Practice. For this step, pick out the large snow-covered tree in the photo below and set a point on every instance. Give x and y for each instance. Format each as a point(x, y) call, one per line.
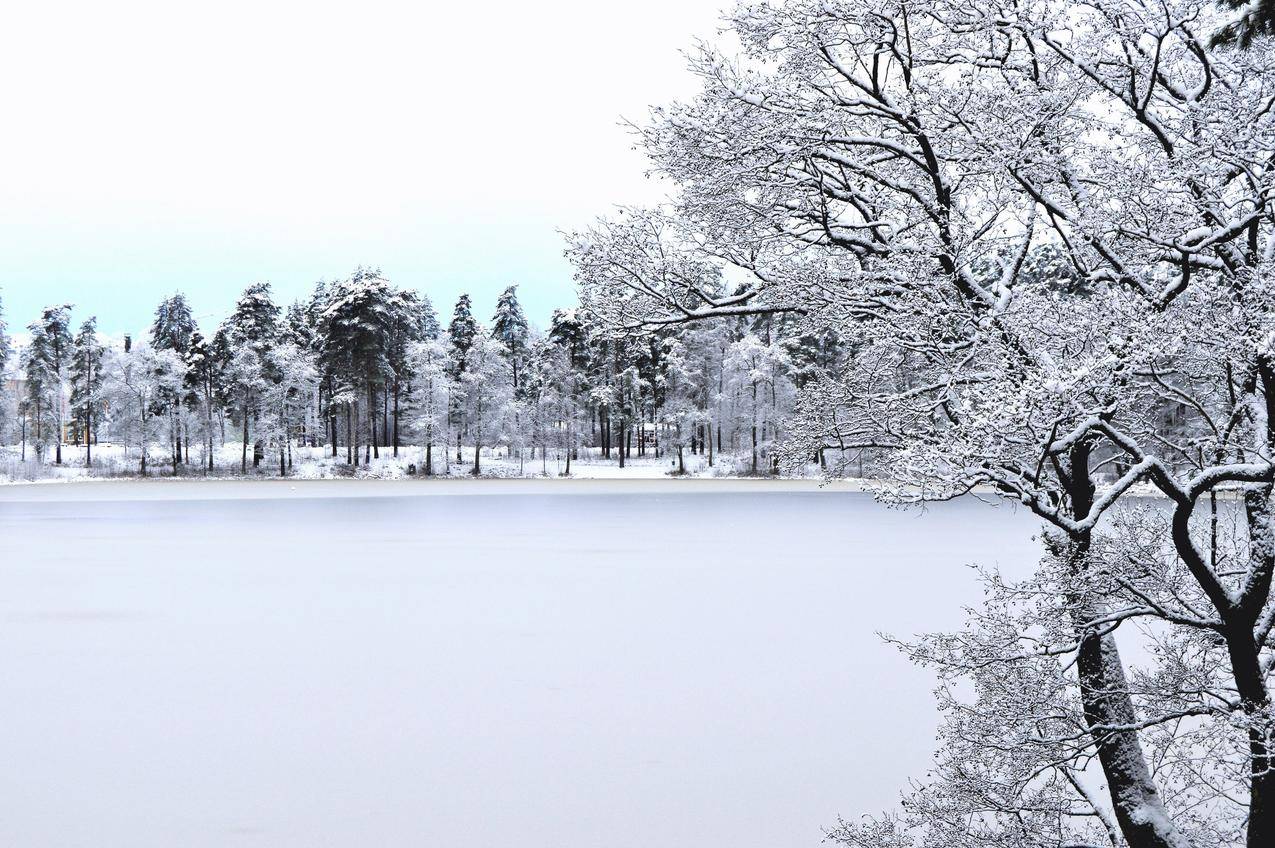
point(891, 172)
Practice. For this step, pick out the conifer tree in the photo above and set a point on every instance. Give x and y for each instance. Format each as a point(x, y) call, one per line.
point(51, 356)
point(86, 384)
point(460, 333)
point(254, 324)
point(509, 327)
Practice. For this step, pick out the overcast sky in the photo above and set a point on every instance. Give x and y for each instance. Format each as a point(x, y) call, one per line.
point(159, 146)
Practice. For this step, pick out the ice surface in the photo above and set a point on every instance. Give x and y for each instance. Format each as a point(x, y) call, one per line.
point(606, 670)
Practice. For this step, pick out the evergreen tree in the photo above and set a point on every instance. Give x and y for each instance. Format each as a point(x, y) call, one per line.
point(255, 320)
point(38, 397)
point(299, 326)
point(253, 324)
point(509, 327)
point(461, 334)
point(53, 354)
point(409, 322)
point(172, 329)
point(173, 325)
point(86, 384)
point(355, 329)
point(428, 318)
point(1253, 19)
point(203, 384)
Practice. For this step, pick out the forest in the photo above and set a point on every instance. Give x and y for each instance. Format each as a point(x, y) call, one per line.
point(364, 367)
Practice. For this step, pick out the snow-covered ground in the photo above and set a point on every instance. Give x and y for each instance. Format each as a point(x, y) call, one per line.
point(114, 461)
point(678, 664)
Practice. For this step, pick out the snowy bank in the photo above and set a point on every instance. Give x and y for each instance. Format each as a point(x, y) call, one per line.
point(168, 488)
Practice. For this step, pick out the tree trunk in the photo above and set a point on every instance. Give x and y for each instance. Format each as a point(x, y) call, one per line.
point(371, 425)
point(243, 461)
point(1104, 692)
point(396, 391)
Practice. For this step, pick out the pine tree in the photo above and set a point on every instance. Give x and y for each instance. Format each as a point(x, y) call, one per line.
point(172, 329)
point(1253, 19)
point(86, 384)
point(173, 325)
point(254, 324)
point(461, 333)
point(53, 354)
point(355, 329)
point(255, 320)
point(203, 384)
point(299, 326)
point(38, 397)
point(509, 327)
point(428, 319)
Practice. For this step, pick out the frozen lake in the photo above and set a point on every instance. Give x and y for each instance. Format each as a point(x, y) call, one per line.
point(589, 669)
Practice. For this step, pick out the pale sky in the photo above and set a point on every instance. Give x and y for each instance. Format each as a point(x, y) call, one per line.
point(159, 146)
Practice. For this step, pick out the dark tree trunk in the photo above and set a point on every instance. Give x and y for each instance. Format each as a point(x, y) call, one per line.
point(619, 448)
point(371, 425)
point(1104, 693)
point(396, 391)
point(243, 461)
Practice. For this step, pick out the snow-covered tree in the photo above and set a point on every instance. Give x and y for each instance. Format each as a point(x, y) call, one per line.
point(246, 381)
point(136, 383)
point(204, 385)
point(888, 173)
point(431, 369)
point(173, 326)
point(758, 374)
point(48, 356)
point(86, 384)
point(356, 328)
point(509, 327)
point(486, 392)
point(172, 329)
point(461, 333)
point(680, 413)
point(294, 378)
point(254, 321)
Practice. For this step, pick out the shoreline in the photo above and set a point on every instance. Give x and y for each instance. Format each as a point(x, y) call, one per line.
point(161, 488)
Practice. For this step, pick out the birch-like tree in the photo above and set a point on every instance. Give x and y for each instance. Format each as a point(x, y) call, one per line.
point(137, 382)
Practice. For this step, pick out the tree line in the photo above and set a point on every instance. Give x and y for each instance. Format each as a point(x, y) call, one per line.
point(363, 366)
